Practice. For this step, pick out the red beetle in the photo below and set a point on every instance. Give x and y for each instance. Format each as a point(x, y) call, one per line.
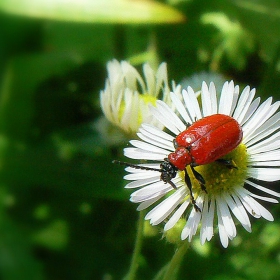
point(206, 141)
point(203, 142)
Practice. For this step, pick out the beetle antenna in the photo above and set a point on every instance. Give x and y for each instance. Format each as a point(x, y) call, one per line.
point(127, 164)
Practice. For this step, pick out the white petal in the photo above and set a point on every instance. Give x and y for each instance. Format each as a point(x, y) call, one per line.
point(258, 114)
point(180, 107)
point(239, 214)
point(270, 143)
point(176, 216)
point(210, 220)
point(206, 231)
point(248, 202)
point(251, 109)
point(193, 221)
point(164, 209)
point(144, 197)
point(263, 157)
point(157, 132)
point(142, 175)
point(234, 99)
point(266, 129)
point(264, 174)
point(213, 98)
point(148, 197)
point(148, 138)
point(130, 114)
point(136, 153)
point(150, 78)
point(257, 208)
point(264, 198)
point(152, 189)
point(247, 224)
point(161, 76)
point(148, 147)
point(170, 115)
point(243, 104)
point(222, 232)
point(226, 98)
point(132, 76)
point(266, 145)
point(264, 112)
point(206, 100)
point(226, 217)
point(264, 212)
point(191, 103)
point(266, 190)
point(266, 163)
point(141, 182)
point(148, 203)
point(162, 118)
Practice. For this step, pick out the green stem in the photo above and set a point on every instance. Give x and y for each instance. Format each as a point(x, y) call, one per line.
point(176, 261)
point(137, 249)
point(161, 272)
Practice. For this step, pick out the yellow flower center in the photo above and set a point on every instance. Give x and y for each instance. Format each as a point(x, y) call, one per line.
point(218, 177)
point(147, 99)
point(144, 99)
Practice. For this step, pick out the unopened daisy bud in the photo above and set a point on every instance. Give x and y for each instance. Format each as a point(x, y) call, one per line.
point(126, 98)
point(149, 230)
point(173, 235)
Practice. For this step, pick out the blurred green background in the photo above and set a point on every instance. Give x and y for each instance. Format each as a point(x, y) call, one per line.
point(63, 211)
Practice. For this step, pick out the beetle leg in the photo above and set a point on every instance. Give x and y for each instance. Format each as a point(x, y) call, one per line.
point(189, 185)
point(172, 184)
point(229, 163)
point(199, 178)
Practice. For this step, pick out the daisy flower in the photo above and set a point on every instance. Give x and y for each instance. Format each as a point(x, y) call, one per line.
point(229, 195)
point(126, 96)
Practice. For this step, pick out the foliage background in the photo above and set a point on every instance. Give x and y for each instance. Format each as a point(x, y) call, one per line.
point(63, 211)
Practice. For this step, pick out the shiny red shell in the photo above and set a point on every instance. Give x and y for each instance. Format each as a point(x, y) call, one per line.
point(205, 141)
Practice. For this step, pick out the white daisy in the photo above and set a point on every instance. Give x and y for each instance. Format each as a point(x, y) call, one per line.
point(257, 159)
point(126, 96)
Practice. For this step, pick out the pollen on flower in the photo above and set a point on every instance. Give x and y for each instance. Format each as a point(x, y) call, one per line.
point(220, 178)
point(147, 100)
point(144, 100)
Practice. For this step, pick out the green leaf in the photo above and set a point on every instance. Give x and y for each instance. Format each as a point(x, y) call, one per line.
point(262, 18)
point(232, 40)
point(80, 165)
point(97, 11)
point(16, 256)
point(55, 236)
point(21, 78)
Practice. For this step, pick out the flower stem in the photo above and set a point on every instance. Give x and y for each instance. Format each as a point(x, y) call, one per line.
point(174, 265)
point(137, 249)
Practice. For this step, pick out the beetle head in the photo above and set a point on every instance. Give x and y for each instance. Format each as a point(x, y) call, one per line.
point(180, 158)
